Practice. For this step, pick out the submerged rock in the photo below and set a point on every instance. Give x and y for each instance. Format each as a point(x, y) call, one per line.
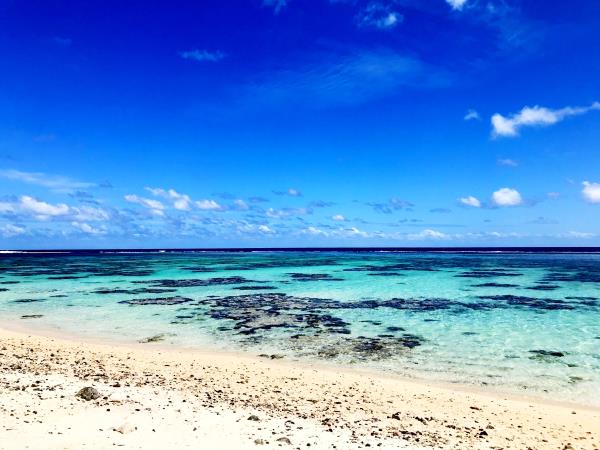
point(155, 338)
point(547, 356)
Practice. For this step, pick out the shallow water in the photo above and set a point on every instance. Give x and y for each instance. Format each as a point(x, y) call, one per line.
point(526, 322)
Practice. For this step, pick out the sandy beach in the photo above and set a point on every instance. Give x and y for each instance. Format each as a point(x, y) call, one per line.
point(152, 397)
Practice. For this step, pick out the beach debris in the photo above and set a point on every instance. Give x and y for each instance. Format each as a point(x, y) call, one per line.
point(88, 393)
point(31, 316)
point(273, 356)
point(126, 428)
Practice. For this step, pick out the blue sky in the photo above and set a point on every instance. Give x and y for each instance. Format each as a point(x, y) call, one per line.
point(299, 123)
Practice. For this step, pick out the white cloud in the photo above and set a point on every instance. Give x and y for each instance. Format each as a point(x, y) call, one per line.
point(54, 182)
point(338, 218)
point(155, 207)
point(314, 231)
point(10, 230)
point(356, 232)
point(470, 201)
point(507, 197)
point(456, 4)
point(87, 228)
point(40, 209)
point(265, 229)
point(508, 162)
point(294, 192)
point(591, 192)
point(180, 201)
point(378, 15)
point(580, 235)
point(241, 204)
point(553, 195)
point(89, 213)
point(428, 235)
point(208, 205)
point(6, 207)
point(253, 229)
point(286, 212)
point(472, 115)
point(535, 116)
point(203, 55)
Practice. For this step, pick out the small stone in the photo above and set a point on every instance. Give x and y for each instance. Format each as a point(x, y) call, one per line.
point(259, 441)
point(254, 418)
point(88, 393)
point(396, 416)
point(284, 440)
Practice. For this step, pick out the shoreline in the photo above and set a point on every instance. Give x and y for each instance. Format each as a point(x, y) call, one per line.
point(347, 408)
point(331, 367)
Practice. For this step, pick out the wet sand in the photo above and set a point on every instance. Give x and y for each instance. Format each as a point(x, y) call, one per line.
point(153, 397)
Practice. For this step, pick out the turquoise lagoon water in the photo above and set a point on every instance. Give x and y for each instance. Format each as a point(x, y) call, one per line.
point(525, 322)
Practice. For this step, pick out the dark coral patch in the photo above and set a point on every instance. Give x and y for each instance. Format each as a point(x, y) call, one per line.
point(158, 301)
point(194, 282)
point(496, 285)
point(255, 288)
point(313, 277)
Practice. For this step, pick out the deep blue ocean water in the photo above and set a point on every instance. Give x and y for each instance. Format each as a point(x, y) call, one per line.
point(517, 321)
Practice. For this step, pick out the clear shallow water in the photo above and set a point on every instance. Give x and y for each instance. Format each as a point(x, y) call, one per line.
point(526, 322)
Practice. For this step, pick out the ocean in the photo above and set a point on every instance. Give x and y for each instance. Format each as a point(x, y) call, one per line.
point(515, 320)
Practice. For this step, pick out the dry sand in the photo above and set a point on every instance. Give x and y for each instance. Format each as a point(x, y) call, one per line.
point(156, 398)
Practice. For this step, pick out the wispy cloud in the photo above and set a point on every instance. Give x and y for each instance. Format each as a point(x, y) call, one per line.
point(332, 79)
point(89, 229)
point(508, 162)
point(379, 15)
point(287, 212)
point(428, 235)
point(208, 205)
point(457, 4)
point(393, 204)
point(470, 201)
point(440, 210)
point(472, 115)
point(155, 207)
point(9, 230)
point(277, 5)
point(292, 192)
point(544, 221)
point(535, 116)
point(203, 55)
point(55, 182)
point(62, 41)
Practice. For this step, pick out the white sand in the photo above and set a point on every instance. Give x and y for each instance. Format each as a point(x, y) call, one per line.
point(179, 399)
